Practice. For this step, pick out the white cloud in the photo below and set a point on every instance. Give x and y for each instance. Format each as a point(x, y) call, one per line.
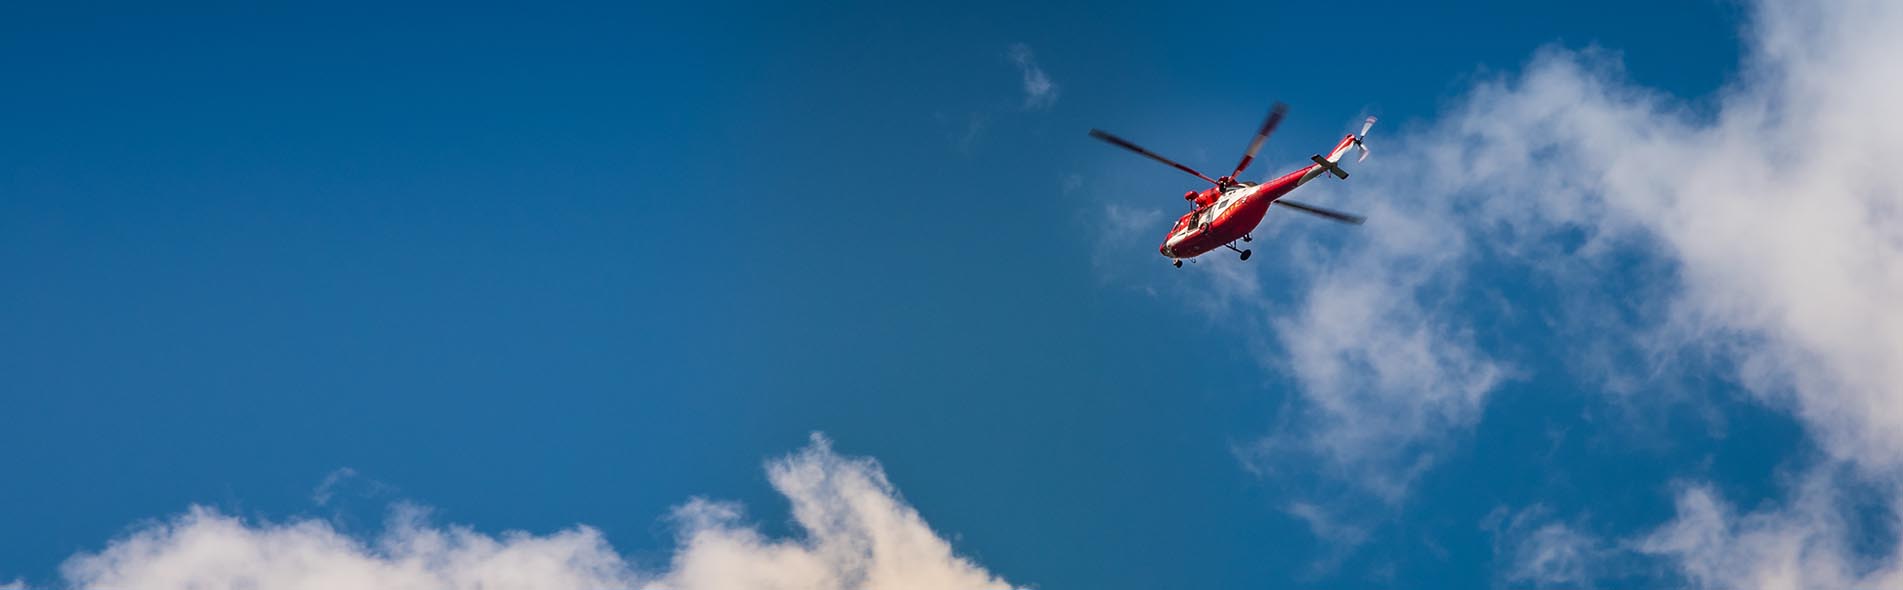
point(1536, 549)
point(1776, 211)
point(1386, 374)
point(1776, 215)
point(1809, 542)
point(858, 534)
point(205, 549)
point(1039, 91)
point(1385, 379)
point(1327, 526)
point(1783, 213)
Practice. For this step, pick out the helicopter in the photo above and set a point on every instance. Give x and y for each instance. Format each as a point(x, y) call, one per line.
point(1230, 210)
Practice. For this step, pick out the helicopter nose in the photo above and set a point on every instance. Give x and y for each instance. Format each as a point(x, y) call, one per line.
point(1165, 250)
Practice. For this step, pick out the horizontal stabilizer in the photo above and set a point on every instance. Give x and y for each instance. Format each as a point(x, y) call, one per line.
point(1331, 167)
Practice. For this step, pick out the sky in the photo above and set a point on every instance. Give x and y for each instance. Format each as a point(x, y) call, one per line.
point(765, 296)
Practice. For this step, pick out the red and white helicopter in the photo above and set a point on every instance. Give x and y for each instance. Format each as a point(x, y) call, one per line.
point(1231, 209)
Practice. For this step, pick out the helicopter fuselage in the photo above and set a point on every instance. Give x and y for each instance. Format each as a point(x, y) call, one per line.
point(1232, 213)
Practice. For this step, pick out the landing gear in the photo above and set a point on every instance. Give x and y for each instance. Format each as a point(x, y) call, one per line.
point(1177, 263)
point(1245, 253)
point(1248, 238)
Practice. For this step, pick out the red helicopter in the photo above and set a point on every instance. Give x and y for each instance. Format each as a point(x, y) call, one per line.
point(1231, 209)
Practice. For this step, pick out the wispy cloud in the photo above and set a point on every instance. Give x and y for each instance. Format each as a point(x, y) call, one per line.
point(964, 133)
point(1531, 547)
point(1807, 542)
point(328, 487)
point(1387, 379)
point(857, 534)
point(1039, 91)
point(1069, 183)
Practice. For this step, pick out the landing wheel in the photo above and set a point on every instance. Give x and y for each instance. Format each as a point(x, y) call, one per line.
point(1246, 253)
point(1178, 263)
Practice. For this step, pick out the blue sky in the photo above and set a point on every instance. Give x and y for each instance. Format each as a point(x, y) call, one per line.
point(537, 268)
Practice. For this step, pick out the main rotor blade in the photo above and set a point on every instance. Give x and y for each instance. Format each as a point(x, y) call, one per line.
point(1125, 144)
point(1347, 218)
point(1268, 126)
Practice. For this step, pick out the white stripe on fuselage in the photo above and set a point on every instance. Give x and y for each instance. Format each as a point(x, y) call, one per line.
point(1227, 201)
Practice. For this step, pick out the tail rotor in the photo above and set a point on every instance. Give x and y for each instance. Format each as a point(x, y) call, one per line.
point(1362, 145)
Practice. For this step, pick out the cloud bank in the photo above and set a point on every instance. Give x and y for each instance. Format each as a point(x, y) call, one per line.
point(1778, 214)
point(857, 534)
point(1775, 213)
